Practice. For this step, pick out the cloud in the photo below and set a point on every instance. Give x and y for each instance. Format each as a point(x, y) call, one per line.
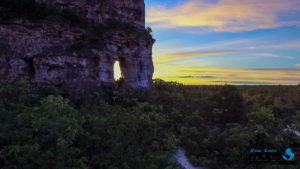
point(243, 82)
point(284, 45)
point(298, 64)
point(225, 15)
point(250, 70)
point(199, 77)
point(268, 55)
point(204, 75)
point(183, 55)
point(184, 77)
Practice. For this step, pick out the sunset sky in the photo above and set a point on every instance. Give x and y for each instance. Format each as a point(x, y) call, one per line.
point(226, 41)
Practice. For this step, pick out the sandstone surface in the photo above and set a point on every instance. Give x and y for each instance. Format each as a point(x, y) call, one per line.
point(75, 44)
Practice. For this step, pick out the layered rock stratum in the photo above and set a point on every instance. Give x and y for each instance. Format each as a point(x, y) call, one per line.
point(75, 43)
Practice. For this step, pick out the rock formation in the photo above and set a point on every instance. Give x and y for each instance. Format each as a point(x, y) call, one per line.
point(74, 43)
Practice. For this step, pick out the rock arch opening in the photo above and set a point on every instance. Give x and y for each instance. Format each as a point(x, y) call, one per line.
point(117, 71)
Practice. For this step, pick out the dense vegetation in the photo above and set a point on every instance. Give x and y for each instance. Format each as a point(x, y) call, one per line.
point(129, 129)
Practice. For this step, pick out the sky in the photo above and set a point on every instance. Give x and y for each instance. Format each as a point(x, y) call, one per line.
point(242, 42)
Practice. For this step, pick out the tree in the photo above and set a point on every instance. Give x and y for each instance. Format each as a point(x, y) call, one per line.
point(42, 136)
point(229, 105)
point(263, 116)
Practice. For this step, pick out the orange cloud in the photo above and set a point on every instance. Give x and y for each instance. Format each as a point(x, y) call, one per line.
point(298, 64)
point(224, 16)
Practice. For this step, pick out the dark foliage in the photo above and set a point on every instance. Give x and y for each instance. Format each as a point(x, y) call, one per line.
point(137, 129)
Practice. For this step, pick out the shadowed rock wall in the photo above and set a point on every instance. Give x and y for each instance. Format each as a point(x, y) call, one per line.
point(99, 11)
point(76, 43)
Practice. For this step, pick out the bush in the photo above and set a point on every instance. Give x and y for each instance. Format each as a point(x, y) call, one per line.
point(42, 136)
point(264, 117)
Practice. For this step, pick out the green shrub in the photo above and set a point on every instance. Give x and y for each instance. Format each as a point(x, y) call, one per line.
point(264, 117)
point(41, 136)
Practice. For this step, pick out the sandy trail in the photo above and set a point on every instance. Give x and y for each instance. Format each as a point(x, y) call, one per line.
point(297, 133)
point(182, 159)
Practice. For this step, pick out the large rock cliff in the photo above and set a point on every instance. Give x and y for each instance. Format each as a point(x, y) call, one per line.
point(74, 43)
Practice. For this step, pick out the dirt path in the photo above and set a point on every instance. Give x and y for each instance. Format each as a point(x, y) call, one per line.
point(182, 159)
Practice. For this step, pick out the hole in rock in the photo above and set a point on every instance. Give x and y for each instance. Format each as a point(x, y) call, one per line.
point(117, 71)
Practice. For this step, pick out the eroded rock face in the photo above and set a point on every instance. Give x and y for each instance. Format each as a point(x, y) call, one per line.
point(54, 50)
point(99, 11)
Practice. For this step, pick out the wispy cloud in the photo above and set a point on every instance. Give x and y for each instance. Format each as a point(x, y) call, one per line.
point(195, 77)
point(268, 55)
point(225, 15)
point(242, 82)
point(285, 45)
point(257, 46)
point(204, 75)
point(298, 64)
point(184, 55)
